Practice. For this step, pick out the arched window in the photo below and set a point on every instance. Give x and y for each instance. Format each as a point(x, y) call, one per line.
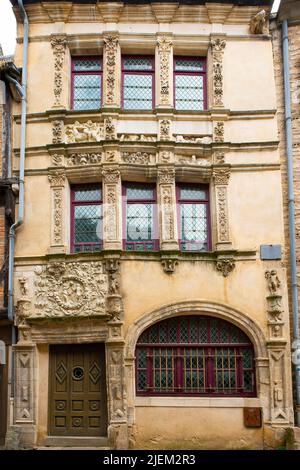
point(194, 355)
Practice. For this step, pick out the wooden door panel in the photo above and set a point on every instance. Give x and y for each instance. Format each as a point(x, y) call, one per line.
point(77, 390)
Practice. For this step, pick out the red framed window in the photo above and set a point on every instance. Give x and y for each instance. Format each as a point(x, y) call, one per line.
point(140, 230)
point(86, 87)
point(195, 355)
point(193, 217)
point(190, 83)
point(86, 219)
point(138, 82)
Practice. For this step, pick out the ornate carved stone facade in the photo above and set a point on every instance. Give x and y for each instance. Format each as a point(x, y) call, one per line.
point(57, 183)
point(84, 132)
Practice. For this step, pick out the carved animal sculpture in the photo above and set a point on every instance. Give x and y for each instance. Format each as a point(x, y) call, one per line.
point(258, 23)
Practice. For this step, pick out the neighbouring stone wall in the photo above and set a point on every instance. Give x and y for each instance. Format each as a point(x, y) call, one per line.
point(294, 52)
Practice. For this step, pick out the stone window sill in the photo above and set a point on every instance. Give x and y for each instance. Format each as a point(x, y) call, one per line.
point(197, 402)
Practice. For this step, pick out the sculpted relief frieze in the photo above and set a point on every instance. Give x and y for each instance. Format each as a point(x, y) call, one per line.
point(62, 290)
point(84, 132)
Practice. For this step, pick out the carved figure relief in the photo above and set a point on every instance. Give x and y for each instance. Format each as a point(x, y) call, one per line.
point(192, 160)
point(58, 44)
point(273, 281)
point(188, 139)
point(70, 290)
point(140, 158)
point(83, 159)
point(169, 265)
point(258, 24)
point(110, 129)
point(84, 132)
point(274, 304)
point(137, 138)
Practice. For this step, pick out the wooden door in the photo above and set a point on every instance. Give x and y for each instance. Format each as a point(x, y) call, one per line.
point(77, 395)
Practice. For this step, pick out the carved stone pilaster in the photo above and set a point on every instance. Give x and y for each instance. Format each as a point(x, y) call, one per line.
point(58, 44)
point(114, 297)
point(117, 396)
point(221, 177)
point(217, 47)
point(110, 130)
point(218, 131)
point(112, 234)
point(24, 400)
point(279, 409)
point(57, 132)
point(111, 66)
point(167, 212)
point(165, 71)
point(164, 130)
point(274, 305)
point(57, 184)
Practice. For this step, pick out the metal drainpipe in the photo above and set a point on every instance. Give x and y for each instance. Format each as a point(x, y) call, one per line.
point(20, 219)
point(291, 198)
point(11, 246)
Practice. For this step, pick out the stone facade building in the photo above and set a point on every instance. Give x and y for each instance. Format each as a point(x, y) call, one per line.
point(150, 296)
point(8, 94)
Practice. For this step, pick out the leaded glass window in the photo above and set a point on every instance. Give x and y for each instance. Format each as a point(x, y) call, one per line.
point(189, 83)
point(86, 218)
point(193, 202)
point(86, 83)
point(138, 82)
point(195, 355)
point(140, 230)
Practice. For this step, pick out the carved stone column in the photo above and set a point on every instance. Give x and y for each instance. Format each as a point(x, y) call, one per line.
point(221, 177)
point(25, 392)
point(167, 208)
point(111, 71)
point(164, 72)
point(112, 205)
point(57, 183)
point(58, 43)
point(281, 409)
point(217, 51)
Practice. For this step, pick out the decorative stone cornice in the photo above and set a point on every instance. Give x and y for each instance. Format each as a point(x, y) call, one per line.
point(164, 12)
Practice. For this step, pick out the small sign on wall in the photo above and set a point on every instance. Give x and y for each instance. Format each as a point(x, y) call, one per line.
point(252, 417)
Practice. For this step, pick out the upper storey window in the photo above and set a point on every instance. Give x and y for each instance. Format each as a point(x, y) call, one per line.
point(138, 82)
point(193, 212)
point(86, 83)
point(190, 83)
point(86, 218)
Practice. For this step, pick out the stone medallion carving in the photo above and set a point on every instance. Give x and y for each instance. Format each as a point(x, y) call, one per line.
point(70, 290)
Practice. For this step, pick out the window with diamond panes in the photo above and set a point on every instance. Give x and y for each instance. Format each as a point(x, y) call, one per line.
point(195, 355)
point(86, 219)
point(86, 83)
point(190, 83)
point(138, 82)
point(140, 226)
point(194, 220)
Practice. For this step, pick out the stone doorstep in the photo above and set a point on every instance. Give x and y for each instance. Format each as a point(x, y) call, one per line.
point(74, 442)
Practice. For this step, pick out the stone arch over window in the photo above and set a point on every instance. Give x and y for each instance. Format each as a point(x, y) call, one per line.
point(197, 307)
point(194, 355)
